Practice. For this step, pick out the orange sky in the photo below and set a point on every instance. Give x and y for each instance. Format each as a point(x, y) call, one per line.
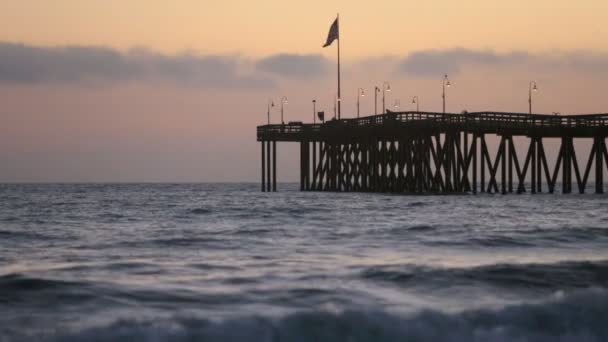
point(270, 26)
point(171, 126)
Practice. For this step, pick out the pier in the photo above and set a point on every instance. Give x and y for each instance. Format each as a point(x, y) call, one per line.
point(424, 152)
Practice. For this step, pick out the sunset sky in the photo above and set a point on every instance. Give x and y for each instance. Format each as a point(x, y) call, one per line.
point(133, 90)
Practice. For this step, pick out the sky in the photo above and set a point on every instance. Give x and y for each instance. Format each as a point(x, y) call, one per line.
point(159, 91)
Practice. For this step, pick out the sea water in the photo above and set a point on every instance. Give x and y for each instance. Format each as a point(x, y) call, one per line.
point(226, 262)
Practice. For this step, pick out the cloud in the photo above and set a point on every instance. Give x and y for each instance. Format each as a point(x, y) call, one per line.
point(432, 62)
point(294, 66)
point(26, 64)
point(83, 64)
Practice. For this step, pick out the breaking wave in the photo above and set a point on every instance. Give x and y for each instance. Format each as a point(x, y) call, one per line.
point(577, 317)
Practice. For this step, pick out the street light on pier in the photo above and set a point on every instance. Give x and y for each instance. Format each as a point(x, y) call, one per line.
point(531, 88)
point(446, 83)
point(397, 104)
point(376, 91)
point(360, 94)
point(270, 105)
point(385, 87)
point(336, 106)
point(283, 102)
point(314, 111)
point(417, 102)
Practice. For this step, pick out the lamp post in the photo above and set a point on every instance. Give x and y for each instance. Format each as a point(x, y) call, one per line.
point(531, 88)
point(314, 111)
point(360, 93)
point(385, 87)
point(270, 105)
point(376, 91)
point(335, 106)
point(446, 83)
point(417, 102)
point(397, 104)
point(283, 102)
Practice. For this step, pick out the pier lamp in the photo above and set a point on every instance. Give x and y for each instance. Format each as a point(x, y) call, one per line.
point(446, 83)
point(270, 105)
point(360, 94)
point(335, 106)
point(417, 102)
point(531, 88)
point(376, 91)
point(283, 102)
point(314, 111)
point(397, 104)
point(385, 87)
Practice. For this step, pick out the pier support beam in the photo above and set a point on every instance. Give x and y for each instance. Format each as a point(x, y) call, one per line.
point(475, 153)
point(565, 164)
point(274, 166)
point(268, 167)
point(304, 166)
point(503, 170)
point(511, 154)
point(263, 166)
point(600, 148)
point(483, 162)
point(539, 169)
point(533, 173)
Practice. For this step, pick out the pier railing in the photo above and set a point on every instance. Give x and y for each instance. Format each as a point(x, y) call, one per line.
point(492, 120)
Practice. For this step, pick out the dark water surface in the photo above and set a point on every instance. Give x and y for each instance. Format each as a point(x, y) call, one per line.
point(224, 262)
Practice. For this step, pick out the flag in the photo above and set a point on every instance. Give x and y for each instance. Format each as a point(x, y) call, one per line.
point(321, 116)
point(334, 33)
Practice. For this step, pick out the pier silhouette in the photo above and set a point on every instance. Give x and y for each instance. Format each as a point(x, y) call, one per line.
point(424, 152)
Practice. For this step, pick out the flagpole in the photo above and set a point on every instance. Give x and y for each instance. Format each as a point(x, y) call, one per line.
point(339, 96)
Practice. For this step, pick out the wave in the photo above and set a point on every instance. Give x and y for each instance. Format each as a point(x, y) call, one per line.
point(526, 238)
point(10, 219)
point(17, 290)
point(564, 275)
point(17, 282)
point(200, 211)
point(577, 317)
point(416, 204)
point(500, 241)
point(36, 293)
point(421, 228)
point(23, 235)
point(570, 234)
point(183, 241)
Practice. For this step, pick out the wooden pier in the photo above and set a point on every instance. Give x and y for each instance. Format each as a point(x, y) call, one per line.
point(422, 152)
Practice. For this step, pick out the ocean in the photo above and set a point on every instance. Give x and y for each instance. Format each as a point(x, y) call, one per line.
point(226, 262)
